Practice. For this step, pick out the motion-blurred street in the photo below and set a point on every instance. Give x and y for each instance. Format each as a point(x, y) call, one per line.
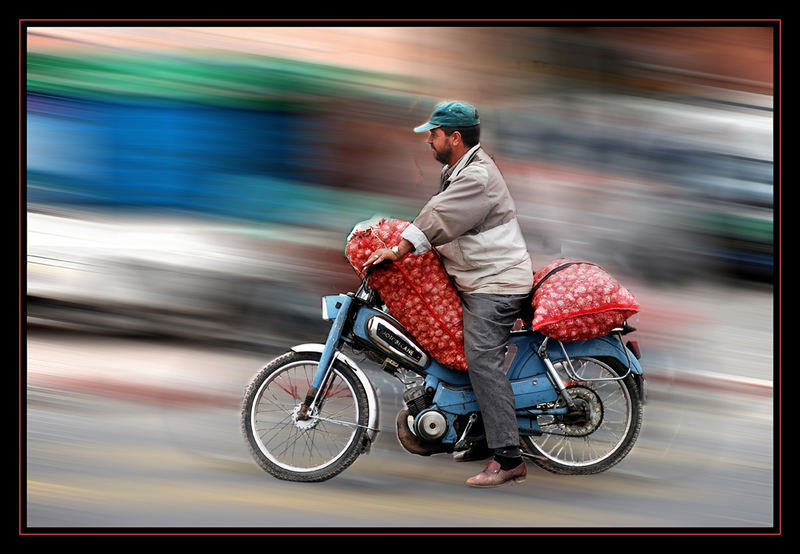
point(138, 432)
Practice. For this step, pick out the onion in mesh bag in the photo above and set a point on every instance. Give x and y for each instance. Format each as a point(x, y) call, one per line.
point(578, 300)
point(416, 290)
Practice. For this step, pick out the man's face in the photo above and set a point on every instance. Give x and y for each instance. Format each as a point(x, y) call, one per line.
point(441, 144)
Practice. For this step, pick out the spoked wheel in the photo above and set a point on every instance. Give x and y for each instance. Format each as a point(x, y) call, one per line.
point(602, 428)
point(304, 448)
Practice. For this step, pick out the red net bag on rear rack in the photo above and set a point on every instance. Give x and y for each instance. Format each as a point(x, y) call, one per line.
point(577, 300)
point(416, 290)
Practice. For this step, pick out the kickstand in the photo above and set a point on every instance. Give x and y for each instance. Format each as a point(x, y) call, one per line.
point(532, 456)
point(462, 442)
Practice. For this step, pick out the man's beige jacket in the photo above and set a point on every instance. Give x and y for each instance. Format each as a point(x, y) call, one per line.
point(472, 224)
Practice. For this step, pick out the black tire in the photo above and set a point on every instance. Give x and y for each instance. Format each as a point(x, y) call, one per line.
point(309, 450)
point(591, 446)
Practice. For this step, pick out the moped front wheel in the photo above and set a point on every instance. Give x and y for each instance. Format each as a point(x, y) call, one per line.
point(312, 447)
point(602, 428)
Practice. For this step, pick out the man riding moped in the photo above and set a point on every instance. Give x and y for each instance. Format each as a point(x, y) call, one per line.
point(472, 223)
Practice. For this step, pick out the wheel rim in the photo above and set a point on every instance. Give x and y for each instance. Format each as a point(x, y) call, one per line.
point(303, 445)
point(582, 449)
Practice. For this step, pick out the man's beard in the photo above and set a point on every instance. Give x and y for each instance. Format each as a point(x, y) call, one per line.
point(442, 156)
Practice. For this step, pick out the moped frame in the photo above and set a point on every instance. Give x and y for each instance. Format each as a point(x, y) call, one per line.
point(534, 379)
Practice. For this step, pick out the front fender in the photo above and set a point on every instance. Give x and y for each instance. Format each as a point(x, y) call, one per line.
point(372, 397)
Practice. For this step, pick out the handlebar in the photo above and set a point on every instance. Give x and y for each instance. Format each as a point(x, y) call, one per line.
point(364, 291)
point(372, 268)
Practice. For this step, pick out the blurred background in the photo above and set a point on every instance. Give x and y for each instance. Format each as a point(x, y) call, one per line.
point(198, 182)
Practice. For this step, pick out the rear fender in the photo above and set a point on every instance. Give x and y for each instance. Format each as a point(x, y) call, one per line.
point(603, 347)
point(608, 346)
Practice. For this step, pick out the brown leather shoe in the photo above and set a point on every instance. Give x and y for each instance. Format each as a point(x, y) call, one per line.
point(493, 476)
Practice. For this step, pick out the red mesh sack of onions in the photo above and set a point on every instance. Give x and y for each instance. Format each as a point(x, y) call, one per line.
point(416, 290)
point(577, 300)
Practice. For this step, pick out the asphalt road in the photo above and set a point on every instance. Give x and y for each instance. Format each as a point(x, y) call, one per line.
point(121, 435)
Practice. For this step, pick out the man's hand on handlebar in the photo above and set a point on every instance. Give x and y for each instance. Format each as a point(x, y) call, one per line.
point(389, 254)
point(379, 256)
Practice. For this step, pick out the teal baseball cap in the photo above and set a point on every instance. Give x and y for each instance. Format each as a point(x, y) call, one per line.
point(451, 114)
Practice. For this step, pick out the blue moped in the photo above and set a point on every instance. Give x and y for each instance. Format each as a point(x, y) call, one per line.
point(310, 413)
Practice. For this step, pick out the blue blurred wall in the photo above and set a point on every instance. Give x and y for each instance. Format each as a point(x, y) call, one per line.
point(162, 154)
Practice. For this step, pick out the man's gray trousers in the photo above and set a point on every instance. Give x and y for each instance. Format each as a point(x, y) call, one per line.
point(488, 321)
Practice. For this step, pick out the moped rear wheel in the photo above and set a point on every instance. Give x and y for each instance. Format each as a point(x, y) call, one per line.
point(603, 429)
point(296, 448)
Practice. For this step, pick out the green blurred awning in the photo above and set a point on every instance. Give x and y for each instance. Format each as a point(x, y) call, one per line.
point(240, 81)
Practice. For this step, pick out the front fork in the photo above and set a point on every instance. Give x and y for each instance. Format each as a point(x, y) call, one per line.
point(314, 397)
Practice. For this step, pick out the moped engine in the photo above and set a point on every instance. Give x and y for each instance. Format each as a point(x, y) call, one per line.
point(429, 424)
point(417, 399)
point(420, 427)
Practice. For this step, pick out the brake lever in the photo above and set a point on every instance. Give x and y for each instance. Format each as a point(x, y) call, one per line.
point(373, 266)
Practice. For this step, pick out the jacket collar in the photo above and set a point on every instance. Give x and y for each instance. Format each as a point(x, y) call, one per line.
point(448, 172)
